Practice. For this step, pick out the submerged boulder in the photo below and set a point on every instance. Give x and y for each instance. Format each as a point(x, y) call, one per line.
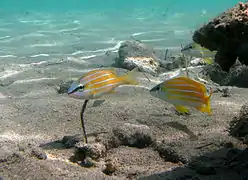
point(228, 35)
point(237, 75)
point(239, 124)
point(136, 54)
point(133, 135)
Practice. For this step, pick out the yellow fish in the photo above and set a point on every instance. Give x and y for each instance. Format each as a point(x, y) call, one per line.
point(196, 50)
point(183, 92)
point(96, 83)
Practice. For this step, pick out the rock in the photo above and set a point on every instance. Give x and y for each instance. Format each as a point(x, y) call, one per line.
point(70, 141)
point(197, 62)
point(227, 34)
point(136, 54)
point(38, 153)
point(10, 158)
point(216, 74)
point(206, 165)
point(239, 125)
point(225, 163)
point(237, 75)
point(109, 140)
point(87, 162)
point(133, 135)
point(237, 158)
point(169, 153)
point(63, 87)
point(226, 92)
point(184, 150)
point(110, 166)
point(205, 169)
point(95, 151)
point(174, 62)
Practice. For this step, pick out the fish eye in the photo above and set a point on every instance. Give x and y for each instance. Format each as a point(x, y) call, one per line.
point(78, 88)
point(81, 87)
point(157, 88)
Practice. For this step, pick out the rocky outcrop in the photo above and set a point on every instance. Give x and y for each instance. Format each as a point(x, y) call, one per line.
point(228, 35)
point(237, 75)
point(136, 54)
point(239, 125)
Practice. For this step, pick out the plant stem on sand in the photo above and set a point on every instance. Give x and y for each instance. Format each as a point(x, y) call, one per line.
point(186, 65)
point(82, 120)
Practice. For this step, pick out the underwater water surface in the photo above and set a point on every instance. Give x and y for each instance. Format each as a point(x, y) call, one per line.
point(78, 31)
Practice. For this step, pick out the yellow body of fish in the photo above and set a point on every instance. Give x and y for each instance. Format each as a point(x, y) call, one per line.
point(98, 82)
point(183, 92)
point(196, 50)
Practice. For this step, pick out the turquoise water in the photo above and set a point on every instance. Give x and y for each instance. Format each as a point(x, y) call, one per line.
point(81, 31)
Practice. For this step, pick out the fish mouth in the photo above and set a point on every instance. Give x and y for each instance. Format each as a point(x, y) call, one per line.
point(154, 89)
point(73, 88)
point(70, 91)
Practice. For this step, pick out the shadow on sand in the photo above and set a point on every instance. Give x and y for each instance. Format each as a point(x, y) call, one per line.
point(173, 124)
point(67, 141)
point(223, 164)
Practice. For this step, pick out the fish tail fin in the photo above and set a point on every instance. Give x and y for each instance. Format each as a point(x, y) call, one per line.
point(208, 60)
point(131, 77)
point(207, 107)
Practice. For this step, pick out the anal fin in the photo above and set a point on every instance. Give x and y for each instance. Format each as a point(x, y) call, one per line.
point(182, 109)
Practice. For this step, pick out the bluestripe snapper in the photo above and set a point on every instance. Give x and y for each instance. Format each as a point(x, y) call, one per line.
point(183, 92)
point(196, 50)
point(96, 83)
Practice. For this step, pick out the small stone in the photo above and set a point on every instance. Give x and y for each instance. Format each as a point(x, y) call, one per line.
point(39, 154)
point(87, 162)
point(10, 157)
point(169, 153)
point(22, 147)
point(139, 136)
point(226, 92)
point(70, 141)
point(111, 166)
point(95, 151)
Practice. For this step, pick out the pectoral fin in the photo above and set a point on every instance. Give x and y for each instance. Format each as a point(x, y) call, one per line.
point(182, 109)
